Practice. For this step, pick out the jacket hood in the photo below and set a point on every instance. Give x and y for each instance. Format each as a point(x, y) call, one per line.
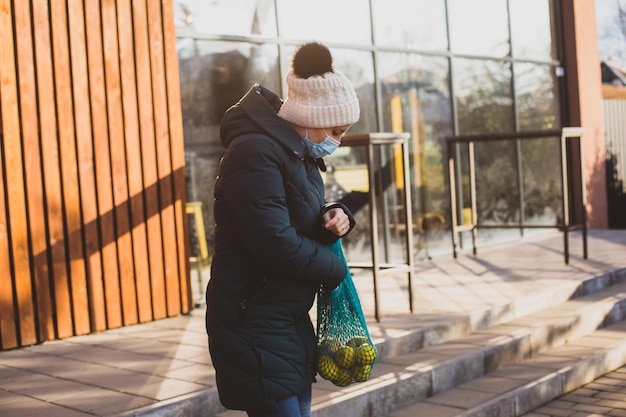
point(257, 113)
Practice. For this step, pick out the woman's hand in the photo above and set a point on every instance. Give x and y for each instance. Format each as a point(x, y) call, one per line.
point(336, 221)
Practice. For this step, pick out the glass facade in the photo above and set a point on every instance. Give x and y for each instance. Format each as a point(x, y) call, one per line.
point(433, 68)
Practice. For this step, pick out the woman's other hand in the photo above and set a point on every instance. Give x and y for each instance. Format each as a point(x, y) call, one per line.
point(336, 221)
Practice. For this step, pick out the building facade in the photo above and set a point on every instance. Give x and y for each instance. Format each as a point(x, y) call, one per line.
point(433, 68)
point(109, 133)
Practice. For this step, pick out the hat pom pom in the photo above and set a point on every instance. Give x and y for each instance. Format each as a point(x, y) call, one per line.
point(312, 59)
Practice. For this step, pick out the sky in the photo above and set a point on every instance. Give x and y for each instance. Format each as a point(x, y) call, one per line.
point(611, 32)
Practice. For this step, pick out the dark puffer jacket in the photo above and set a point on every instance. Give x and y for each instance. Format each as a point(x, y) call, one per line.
point(271, 256)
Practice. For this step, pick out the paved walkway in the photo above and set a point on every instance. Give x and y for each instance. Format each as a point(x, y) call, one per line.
point(138, 368)
point(606, 396)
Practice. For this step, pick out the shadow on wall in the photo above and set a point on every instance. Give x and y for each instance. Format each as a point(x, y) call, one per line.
point(616, 198)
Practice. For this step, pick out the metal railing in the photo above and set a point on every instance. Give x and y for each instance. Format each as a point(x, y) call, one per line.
point(370, 142)
point(564, 136)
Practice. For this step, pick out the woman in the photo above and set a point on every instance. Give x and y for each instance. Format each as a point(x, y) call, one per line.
point(272, 232)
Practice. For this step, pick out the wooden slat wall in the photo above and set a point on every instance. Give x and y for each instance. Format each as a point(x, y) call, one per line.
point(92, 187)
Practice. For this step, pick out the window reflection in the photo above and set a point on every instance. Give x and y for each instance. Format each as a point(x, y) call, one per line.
point(479, 27)
point(541, 181)
point(416, 24)
point(537, 97)
point(416, 99)
point(483, 95)
point(345, 21)
point(213, 77)
point(226, 17)
point(407, 92)
point(496, 182)
point(532, 29)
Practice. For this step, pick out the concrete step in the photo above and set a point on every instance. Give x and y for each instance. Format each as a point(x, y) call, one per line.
point(405, 334)
point(437, 366)
point(518, 389)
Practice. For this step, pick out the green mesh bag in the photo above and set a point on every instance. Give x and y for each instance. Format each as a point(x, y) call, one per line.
point(345, 351)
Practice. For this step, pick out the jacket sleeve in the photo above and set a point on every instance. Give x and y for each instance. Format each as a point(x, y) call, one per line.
point(252, 176)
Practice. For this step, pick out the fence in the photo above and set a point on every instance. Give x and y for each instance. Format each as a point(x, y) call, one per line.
point(614, 110)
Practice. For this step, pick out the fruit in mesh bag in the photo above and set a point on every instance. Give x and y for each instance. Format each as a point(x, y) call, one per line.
point(366, 354)
point(357, 341)
point(344, 378)
point(327, 368)
point(329, 347)
point(361, 373)
point(345, 356)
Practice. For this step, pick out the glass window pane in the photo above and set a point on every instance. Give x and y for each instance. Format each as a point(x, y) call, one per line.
point(416, 99)
point(497, 194)
point(345, 21)
point(213, 77)
point(416, 24)
point(226, 17)
point(533, 29)
point(537, 90)
point(483, 96)
point(541, 172)
point(479, 27)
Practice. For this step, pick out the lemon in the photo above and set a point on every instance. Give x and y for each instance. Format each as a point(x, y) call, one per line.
point(327, 368)
point(345, 356)
point(361, 373)
point(344, 378)
point(366, 354)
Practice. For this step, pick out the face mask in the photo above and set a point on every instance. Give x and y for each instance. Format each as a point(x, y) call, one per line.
point(322, 149)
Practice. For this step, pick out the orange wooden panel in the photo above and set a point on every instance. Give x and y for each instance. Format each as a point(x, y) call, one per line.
point(177, 149)
point(32, 170)
point(67, 146)
point(8, 330)
point(118, 161)
point(86, 170)
point(133, 159)
point(172, 282)
point(97, 91)
point(148, 159)
point(14, 175)
point(51, 169)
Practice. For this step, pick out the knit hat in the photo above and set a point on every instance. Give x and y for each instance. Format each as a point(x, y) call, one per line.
point(318, 96)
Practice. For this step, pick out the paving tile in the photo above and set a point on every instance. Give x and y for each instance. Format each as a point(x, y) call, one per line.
point(47, 388)
point(603, 387)
point(101, 402)
point(587, 392)
point(561, 403)
point(618, 404)
point(610, 396)
point(8, 396)
point(554, 412)
point(592, 408)
point(30, 407)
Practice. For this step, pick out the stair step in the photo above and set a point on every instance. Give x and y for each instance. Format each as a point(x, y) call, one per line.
point(425, 357)
point(399, 336)
point(520, 388)
point(406, 379)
